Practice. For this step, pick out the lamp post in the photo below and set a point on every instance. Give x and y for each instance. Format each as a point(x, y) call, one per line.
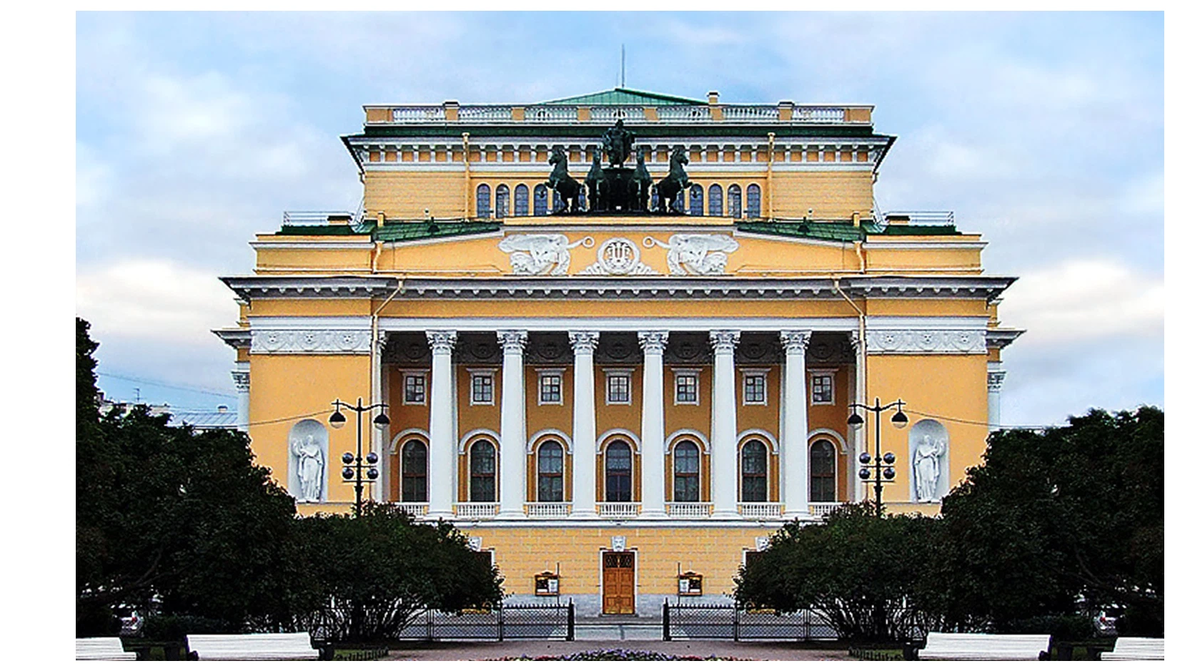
point(354, 467)
point(876, 473)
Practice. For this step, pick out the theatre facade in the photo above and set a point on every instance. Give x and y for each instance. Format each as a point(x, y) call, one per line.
point(619, 335)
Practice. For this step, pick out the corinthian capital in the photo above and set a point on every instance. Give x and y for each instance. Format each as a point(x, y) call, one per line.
point(441, 342)
point(795, 342)
point(584, 342)
point(723, 342)
point(653, 342)
point(512, 341)
point(241, 379)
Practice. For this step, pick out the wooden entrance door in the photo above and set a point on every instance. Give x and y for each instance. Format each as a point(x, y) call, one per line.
point(618, 583)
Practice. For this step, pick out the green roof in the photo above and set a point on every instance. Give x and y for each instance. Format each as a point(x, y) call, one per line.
point(830, 231)
point(410, 231)
point(627, 96)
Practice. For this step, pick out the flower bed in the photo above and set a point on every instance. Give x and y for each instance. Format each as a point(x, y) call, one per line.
point(618, 655)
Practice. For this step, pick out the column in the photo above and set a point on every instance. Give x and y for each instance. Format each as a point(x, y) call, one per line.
point(724, 426)
point(583, 428)
point(995, 383)
point(377, 396)
point(241, 380)
point(795, 425)
point(858, 435)
point(512, 425)
point(653, 444)
point(442, 485)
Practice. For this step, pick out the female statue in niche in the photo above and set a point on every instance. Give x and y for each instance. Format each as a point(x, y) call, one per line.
point(310, 468)
point(927, 467)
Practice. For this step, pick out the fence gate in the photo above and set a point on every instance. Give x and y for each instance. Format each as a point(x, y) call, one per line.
point(552, 621)
point(683, 620)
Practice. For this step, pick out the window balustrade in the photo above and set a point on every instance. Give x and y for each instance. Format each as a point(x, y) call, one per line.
point(760, 509)
point(618, 509)
point(689, 509)
point(476, 509)
point(547, 509)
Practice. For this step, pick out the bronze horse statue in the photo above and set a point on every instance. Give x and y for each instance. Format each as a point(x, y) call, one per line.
point(639, 187)
point(562, 182)
point(675, 182)
point(594, 182)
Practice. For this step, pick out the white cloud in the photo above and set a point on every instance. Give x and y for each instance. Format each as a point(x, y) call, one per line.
point(154, 300)
point(1084, 299)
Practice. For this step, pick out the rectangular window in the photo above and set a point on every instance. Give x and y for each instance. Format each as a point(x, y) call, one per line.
point(618, 389)
point(414, 389)
point(687, 390)
point(755, 390)
point(822, 389)
point(482, 389)
point(550, 389)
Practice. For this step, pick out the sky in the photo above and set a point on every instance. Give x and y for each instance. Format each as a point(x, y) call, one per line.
point(1042, 131)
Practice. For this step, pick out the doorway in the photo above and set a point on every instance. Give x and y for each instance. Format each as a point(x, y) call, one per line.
point(618, 583)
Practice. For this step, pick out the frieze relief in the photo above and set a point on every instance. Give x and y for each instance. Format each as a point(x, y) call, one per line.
point(550, 254)
point(618, 256)
point(310, 341)
point(900, 341)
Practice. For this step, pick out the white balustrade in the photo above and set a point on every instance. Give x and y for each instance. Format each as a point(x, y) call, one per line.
point(755, 113)
point(476, 509)
point(689, 509)
point(547, 509)
point(607, 114)
point(485, 113)
point(693, 114)
point(414, 508)
point(760, 509)
point(819, 114)
point(551, 113)
point(617, 509)
point(410, 114)
point(822, 509)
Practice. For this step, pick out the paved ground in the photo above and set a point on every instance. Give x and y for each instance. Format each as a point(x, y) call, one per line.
point(757, 651)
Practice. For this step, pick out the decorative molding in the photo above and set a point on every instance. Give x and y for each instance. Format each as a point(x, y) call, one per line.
point(772, 442)
point(547, 348)
point(818, 433)
point(263, 286)
point(995, 380)
point(653, 342)
point(492, 436)
point(907, 341)
point(241, 380)
point(701, 440)
point(404, 434)
point(310, 341)
point(238, 338)
point(696, 254)
point(999, 338)
point(618, 256)
point(568, 448)
point(795, 342)
point(634, 440)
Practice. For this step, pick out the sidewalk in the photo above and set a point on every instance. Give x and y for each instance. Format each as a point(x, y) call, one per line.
point(756, 651)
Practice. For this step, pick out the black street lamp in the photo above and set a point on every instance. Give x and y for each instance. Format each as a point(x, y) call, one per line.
point(877, 473)
point(354, 467)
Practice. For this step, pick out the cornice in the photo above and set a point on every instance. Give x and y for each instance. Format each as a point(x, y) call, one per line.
point(908, 341)
point(342, 286)
point(999, 338)
point(238, 338)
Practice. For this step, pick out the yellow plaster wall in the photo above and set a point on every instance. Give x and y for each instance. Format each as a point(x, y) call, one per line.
point(761, 255)
point(692, 417)
point(406, 194)
point(943, 385)
point(520, 553)
point(552, 307)
point(403, 417)
point(472, 417)
point(926, 307)
point(958, 259)
point(271, 259)
point(311, 307)
point(832, 195)
point(547, 416)
point(288, 386)
point(833, 417)
point(625, 417)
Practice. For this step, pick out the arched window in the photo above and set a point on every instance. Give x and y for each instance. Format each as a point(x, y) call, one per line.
point(735, 201)
point(540, 194)
point(521, 201)
point(483, 201)
point(618, 473)
point(687, 472)
point(715, 204)
point(754, 471)
point(753, 201)
point(483, 472)
point(414, 479)
point(822, 486)
point(558, 202)
point(550, 472)
point(501, 202)
point(654, 198)
point(695, 200)
point(679, 200)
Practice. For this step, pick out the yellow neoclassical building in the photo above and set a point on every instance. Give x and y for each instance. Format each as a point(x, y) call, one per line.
point(618, 335)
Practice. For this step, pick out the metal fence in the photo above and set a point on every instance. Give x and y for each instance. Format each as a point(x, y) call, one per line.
point(550, 621)
point(683, 620)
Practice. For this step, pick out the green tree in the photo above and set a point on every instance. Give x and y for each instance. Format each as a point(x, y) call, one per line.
point(170, 512)
point(378, 571)
point(855, 570)
point(1053, 516)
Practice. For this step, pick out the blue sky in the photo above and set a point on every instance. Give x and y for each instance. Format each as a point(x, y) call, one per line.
point(1042, 131)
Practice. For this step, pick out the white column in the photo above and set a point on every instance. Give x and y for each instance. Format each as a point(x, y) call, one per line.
point(241, 380)
point(512, 425)
point(995, 383)
point(858, 435)
point(724, 426)
point(377, 434)
point(795, 425)
point(583, 430)
point(442, 475)
point(653, 444)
